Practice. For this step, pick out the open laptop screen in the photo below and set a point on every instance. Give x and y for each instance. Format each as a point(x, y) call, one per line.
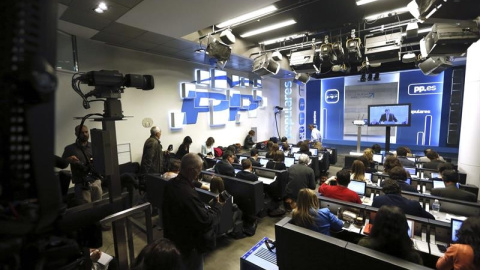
point(456, 224)
point(410, 228)
point(435, 175)
point(296, 156)
point(313, 151)
point(378, 158)
point(240, 158)
point(358, 187)
point(289, 161)
point(264, 161)
point(368, 176)
point(438, 184)
point(295, 149)
point(411, 171)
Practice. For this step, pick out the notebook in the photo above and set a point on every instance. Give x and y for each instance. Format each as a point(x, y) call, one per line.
point(378, 158)
point(411, 171)
point(289, 161)
point(295, 149)
point(358, 187)
point(264, 161)
point(441, 184)
point(296, 155)
point(314, 151)
point(455, 226)
point(240, 158)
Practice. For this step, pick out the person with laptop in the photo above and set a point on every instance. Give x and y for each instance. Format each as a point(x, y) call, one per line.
point(299, 176)
point(247, 173)
point(337, 188)
point(278, 161)
point(402, 157)
point(434, 160)
point(464, 253)
point(450, 178)
point(358, 171)
point(308, 214)
point(254, 158)
point(425, 159)
point(224, 166)
point(389, 235)
point(399, 174)
point(393, 196)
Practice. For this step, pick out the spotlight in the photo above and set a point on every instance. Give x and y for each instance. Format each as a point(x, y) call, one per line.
point(377, 76)
point(262, 65)
point(353, 48)
point(219, 50)
point(409, 57)
point(434, 65)
point(227, 37)
point(277, 56)
point(412, 30)
point(302, 77)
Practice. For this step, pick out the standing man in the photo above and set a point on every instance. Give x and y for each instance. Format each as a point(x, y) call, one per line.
point(315, 135)
point(152, 158)
point(79, 154)
point(248, 142)
point(188, 221)
point(299, 176)
point(388, 117)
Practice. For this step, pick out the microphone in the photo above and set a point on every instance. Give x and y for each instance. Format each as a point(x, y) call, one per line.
point(279, 108)
point(362, 116)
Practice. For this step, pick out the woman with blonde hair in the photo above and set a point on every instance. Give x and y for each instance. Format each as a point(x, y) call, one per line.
point(358, 171)
point(308, 215)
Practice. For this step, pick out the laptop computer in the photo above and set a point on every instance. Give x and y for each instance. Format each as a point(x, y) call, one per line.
point(378, 158)
point(294, 149)
point(408, 181)
point(411, 170)
point(368, 177)
point(264, 161)
point(435, 175)
point(358, 187)
point(296, 156)
point(455, 226)
point(289, 161)
point(440, 184)
point(240, 158)
point(313, 151)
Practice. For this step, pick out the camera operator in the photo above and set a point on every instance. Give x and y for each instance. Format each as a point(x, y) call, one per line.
point(88, 185)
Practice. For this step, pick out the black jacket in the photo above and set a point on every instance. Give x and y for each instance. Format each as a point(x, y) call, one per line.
point(408, 206)
point(247, 176)
point(223, 167)
point(186, 218)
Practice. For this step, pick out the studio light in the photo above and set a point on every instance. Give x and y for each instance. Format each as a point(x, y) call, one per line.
point(277, 56)
point(227, 37)
point(363, 76)
point(363, 2)
point(409, 57)
point(434, 65)
point(353, 49)
point(219, 51)
point(412, 30)
point(302, 77)
point(262, 65)
point(248, 17)
point(268, 28)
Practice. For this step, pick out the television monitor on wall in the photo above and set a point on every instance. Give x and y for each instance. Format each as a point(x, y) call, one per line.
point(389, 115)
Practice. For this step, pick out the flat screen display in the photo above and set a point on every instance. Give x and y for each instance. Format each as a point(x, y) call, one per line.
point(264, 161)
point(358, 187)
point(378, 158)
point(456, 224)
point(389, 115)
point(313, 151)
point(411, 171)
point(289, 161)
point(295, 149)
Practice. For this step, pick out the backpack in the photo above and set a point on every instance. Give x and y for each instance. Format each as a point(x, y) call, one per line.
point(218, 152)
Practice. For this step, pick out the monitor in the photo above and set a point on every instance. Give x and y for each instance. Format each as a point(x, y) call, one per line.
point(435, 175)
point(296, 155)
point(358, 187)
point(368, 176)
point(289, 161)
point(438, 184)
point(455, 226)
point(294, 149)
point(240, 158)
point(389, 115)
point(378, 158)
point(236, 171)
point(411, 228)
point(411, 171)
point(313, 151)
point(264, 161)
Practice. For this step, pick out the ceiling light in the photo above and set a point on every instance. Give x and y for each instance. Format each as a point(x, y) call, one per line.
point(268, 28)
point(363, 2)
point(248, 16)
point(102, 7)
point(99, 10)
point(281, 39)
point(387, 14)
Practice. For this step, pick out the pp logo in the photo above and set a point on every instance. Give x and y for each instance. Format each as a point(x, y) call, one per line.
point(301, 104)
point(332, 96)
point(301, 118)
point(425, 89)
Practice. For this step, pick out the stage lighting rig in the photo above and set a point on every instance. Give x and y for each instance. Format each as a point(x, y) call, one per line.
point(353, 47)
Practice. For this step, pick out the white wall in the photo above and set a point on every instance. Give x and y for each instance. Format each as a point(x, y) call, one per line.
point(168, 73)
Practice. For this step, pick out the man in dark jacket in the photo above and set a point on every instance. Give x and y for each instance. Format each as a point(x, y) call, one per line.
point(152, 158)
point(247, 173)
point(299, 176)
point(187, 220)
point(450, 178)
point(393, 196)
point(224, 166)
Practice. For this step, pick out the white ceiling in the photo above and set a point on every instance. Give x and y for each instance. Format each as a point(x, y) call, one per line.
point(177, 18)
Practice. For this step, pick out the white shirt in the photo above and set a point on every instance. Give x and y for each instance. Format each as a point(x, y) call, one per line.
point(316, 136)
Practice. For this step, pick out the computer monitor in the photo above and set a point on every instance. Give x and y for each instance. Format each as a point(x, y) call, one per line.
point(313, 151)
point(378, 158)
point(296, 155)
point(295, 149)
point(411, 171)
point(455, 226)
point(240, 158)
point(358, 187)
point(289, 161)
point(435, 175)
point(411, 228)
point(264, 161)
point(368, 176)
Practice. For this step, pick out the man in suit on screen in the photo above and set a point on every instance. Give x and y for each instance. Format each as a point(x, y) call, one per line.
point(388, 117)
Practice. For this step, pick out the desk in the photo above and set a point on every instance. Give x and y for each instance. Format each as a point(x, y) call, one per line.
point(266, 181)
point(259, 257)
point(446, 217)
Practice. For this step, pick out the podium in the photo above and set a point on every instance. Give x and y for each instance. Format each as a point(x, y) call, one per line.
point(359, 124)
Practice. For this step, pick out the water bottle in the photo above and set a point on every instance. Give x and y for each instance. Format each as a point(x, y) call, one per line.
point(436, 206)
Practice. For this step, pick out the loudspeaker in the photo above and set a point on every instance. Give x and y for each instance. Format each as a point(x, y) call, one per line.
point(219, 50)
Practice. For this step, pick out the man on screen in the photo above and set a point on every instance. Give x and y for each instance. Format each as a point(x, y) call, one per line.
point(388, 117)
